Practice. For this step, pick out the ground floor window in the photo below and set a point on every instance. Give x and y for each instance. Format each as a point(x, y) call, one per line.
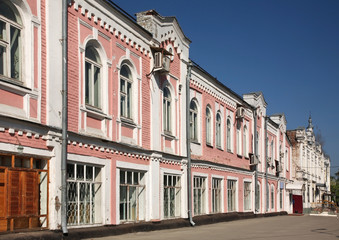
point(231, 195)
point(172, 198)
point(216, 195)
point(247, 196)
point(199, 195)
point(84, 194)
point(258, 197)
point(281, 198)
point(132, 195)
point(272, 197)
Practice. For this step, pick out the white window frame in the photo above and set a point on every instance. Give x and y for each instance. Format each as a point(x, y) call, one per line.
point(194, 122)
point(236, 197)
point(247, 181)
point(5, 43)
point(177, 196)
point(209, 128)
point(245, 141)
point(204, 194)
point(167, 110)
point(92, 79)
point(216, 194)
point(229, 133)
point(218, 130)
point(126, 111)
point(272, 197)
point(239, 138)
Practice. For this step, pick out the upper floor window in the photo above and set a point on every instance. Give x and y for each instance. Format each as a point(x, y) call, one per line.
point(166, 108)
point(125, 92)
point(228, 134)
point(238, 137)
point(10, 42)
point(272, 150)
point(245, 142)
point(194, 121)
point(208, 126)
point(92, 77)
point(218, 130)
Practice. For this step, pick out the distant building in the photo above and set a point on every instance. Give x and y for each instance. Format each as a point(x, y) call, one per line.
point(311, 167)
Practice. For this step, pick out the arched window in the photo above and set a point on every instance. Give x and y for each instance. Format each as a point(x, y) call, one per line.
point(92, 77)
point(228, 135)
point(245, 148)
point(218, 130)
point(10, 41)
point(126, 81)
point(208, 126)
point(194, 121)
point(166, 108)
point(239, 137)
point(257, 144)
point(272, 150)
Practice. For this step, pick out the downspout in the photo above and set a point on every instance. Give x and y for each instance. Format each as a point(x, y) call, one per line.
point(188, 144)
point(64, 119)
point(256, 191)
point(266, 142)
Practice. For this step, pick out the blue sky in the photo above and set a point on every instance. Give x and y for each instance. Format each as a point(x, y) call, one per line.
point(288, 49)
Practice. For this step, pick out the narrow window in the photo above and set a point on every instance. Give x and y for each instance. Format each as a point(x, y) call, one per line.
point(272, 197)
point(199, 191)
point(194, 121)
point(172, 194)
point(218, 130)
point(92, 77)
point(208, 126)
point(239, 137)
point(245, 148)
point(125, 92)
point(229, 136)
point(247, 196)
point(231, 195)
point(132, 196)
point(10, 42)
point(166, 108)
point(216, 195)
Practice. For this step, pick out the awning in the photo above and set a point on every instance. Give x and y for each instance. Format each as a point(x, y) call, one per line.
point(294, 186)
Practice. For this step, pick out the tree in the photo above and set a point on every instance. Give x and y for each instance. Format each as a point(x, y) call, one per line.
point(335, 187)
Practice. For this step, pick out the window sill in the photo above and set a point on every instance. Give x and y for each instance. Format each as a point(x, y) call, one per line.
point(195, 142)
point(219, 148)
point(168, 135)
point(95, 112)
point(229, 151)
point(128, 122)
point(209, 145)
point(239, 156)
point(15, 86)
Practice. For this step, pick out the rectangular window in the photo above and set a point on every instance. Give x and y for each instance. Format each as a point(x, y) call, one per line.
point(281, 198)
point(272, 197)
point(132, 196)
point(172, 196)
point(231, 195)
point(199, 191)
point(84, 194)
point(247, 196)
point(216, 195)
point(125, 98)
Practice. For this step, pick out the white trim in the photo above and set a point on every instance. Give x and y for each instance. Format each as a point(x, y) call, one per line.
point(132, 166)
point(13, 148)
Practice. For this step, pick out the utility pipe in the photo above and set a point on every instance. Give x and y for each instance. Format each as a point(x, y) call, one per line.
point(64, 119)
point(188, 143)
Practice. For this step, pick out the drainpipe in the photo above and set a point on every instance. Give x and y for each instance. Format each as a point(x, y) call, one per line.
point(64, 119)
point(256, 188)
point(266, 141)
point(188, 144)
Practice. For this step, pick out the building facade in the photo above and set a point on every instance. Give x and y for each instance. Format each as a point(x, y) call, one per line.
point(311, 167)
point(127, 113)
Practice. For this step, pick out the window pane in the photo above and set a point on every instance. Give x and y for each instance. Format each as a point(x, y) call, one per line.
point(5, 161)
point(2, 60)
point(80, 172)
point(8, 13)
point(123, 202)
point(96, 87)
point(88, 74)
point(2, 30)
point(122, 177)
point(70, 171)
point(89, 173)
point(15, 53)
point(129, 99)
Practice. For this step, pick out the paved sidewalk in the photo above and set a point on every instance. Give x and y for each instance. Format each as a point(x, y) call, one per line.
point(277, 228)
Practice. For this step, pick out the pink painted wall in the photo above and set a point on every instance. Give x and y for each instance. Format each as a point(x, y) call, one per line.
point(11, 99)
point(93, 123)
point(33, 108)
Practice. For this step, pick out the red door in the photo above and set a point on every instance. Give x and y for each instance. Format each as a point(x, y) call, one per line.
point(297, 204)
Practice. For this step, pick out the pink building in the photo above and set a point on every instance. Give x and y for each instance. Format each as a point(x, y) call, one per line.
point(127, 158)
